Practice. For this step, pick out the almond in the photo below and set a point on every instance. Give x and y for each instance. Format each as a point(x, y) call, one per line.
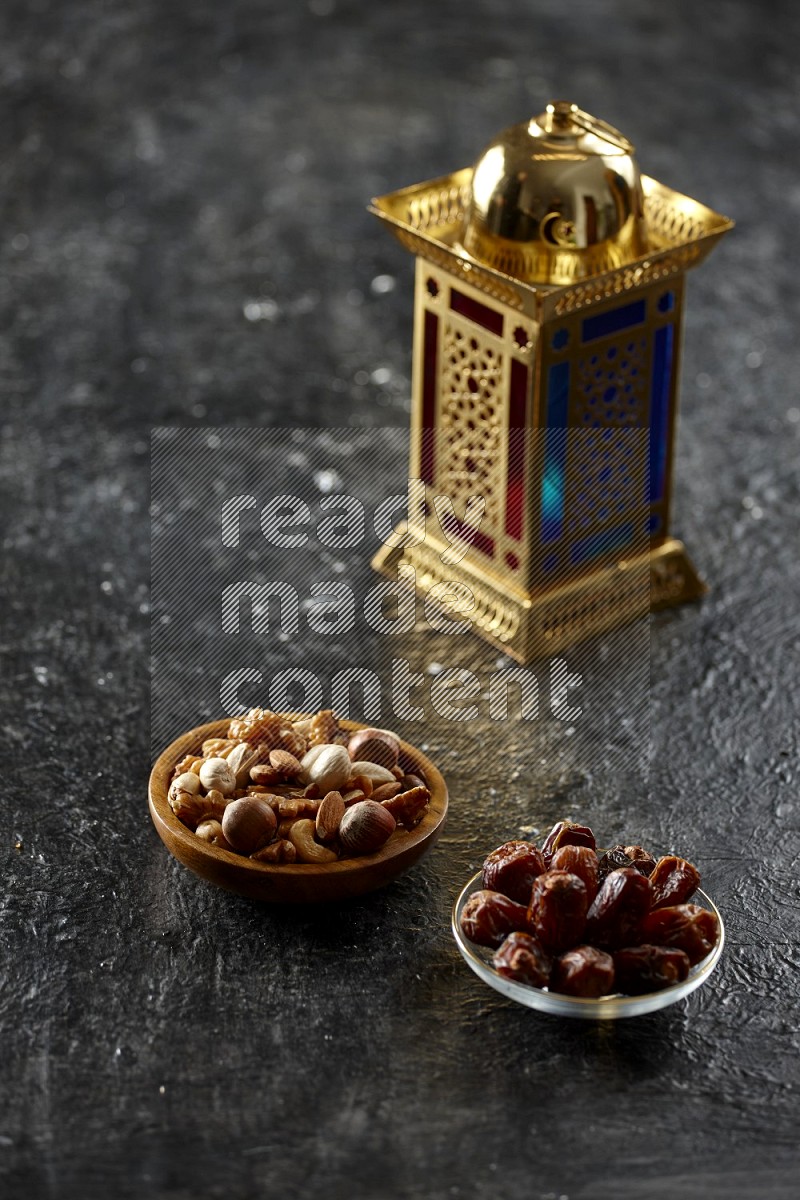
point(329, 816)
point(386, 791)
point(285, 764)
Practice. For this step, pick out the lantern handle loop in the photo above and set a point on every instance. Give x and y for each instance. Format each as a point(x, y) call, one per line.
point(562, 117)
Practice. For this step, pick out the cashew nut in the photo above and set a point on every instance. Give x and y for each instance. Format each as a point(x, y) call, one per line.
point(301, 835)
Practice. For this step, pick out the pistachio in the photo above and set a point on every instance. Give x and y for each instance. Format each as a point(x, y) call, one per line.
point(240, 760)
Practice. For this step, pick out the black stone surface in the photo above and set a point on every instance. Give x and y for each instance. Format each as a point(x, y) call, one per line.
point(184, 242)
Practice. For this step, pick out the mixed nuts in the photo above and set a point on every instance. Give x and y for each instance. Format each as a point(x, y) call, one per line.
point(586, 924)
point(297, 790)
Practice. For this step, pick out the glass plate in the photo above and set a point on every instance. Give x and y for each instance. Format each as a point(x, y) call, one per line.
point(605, 1008)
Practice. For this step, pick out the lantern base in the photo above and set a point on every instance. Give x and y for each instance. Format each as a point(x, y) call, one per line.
point(527, 626)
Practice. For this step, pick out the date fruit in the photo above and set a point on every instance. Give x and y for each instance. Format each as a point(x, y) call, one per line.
point(674, 881)
point(641, 969)
point(557, 910)
point(488, 917)
point(641, 859)
point(618, 907)
point(521, 957)
point(567, 833)
point(512, 868)
point(584, 971)
point(595, 924)
point(612, 860)
point(580, 861)
point(686, 927)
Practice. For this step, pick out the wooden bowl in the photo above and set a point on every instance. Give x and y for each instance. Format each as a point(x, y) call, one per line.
point(299, 882)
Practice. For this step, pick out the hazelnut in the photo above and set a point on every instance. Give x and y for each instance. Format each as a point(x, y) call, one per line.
point(249, 823)
point(217, 773)
point(365, 827)
point(374, 745)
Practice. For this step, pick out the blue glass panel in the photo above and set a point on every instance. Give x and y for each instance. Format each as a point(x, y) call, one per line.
point(560, 339)
point(654, 523)
point(613, 321)
point(666, 303)
point(601, 543)
point(659, 410)
point(555, 452)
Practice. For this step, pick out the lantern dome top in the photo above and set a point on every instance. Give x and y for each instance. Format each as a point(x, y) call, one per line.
point(556, 199)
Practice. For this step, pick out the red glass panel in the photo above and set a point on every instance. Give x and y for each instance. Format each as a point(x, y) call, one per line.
point(473, 310)
point(430, 348)
point(474, 537)
point(515, 481)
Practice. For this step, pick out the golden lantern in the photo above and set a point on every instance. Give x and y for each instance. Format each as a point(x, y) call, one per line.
point(547, 331)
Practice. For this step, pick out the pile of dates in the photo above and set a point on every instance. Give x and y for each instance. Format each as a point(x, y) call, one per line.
point(583, 924)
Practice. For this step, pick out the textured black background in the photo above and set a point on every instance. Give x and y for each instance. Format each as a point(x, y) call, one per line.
point(169, 172)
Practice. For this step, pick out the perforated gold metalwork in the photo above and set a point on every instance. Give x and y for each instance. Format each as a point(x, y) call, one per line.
point(595, 291)
point(440, 206)
point(606, 472)
point(484, 279)
point(493, 616)
point(670, 224)
point(471, 414)
point(526, 628)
